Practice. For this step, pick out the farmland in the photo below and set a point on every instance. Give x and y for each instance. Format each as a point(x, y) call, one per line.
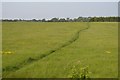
point(50, 49)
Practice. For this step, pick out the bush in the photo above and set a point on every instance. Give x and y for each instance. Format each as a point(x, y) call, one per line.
point(78, 73)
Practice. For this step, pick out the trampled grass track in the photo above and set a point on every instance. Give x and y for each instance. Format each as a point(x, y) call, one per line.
point(30, 60)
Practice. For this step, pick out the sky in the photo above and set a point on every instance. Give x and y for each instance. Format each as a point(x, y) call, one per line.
point(48, 10)
point(60, 0)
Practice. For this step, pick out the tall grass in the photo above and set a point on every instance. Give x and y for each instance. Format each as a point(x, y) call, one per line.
point(91, 48)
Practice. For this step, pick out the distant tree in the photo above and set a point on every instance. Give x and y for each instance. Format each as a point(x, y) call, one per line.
point(39, 20)
point(43, 20)
point(80, 19)
point(118, 19)
point(67, 19)
point(15, 20)
point(71, 20)
point(54, 20)
point(20, 20)
point(34, 20)
point(62, 20)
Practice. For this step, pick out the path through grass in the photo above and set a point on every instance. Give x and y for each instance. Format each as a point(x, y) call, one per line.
point(90, 49)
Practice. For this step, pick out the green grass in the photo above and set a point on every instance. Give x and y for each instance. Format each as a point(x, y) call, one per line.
point(96, 47)
point(0, 36)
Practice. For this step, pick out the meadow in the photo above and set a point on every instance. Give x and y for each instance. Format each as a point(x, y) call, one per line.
point(51, 49)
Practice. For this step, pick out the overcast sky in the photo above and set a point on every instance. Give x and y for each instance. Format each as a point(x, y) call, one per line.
point(40, 10)
point(60, 0)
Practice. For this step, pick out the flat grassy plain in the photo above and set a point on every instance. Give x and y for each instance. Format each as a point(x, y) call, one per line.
point(49, 50)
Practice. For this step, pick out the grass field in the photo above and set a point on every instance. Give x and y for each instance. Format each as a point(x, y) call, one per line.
point(49, 50)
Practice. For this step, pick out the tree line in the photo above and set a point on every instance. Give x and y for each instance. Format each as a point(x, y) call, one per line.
point(79, 19)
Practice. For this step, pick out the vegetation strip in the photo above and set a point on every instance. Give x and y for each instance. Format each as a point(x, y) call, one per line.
point(31, 60)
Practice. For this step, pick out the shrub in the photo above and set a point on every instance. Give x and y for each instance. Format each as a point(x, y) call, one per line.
point(78, 73)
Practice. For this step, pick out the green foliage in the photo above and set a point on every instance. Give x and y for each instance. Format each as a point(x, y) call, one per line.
point(79, 73)
point(79, 19)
